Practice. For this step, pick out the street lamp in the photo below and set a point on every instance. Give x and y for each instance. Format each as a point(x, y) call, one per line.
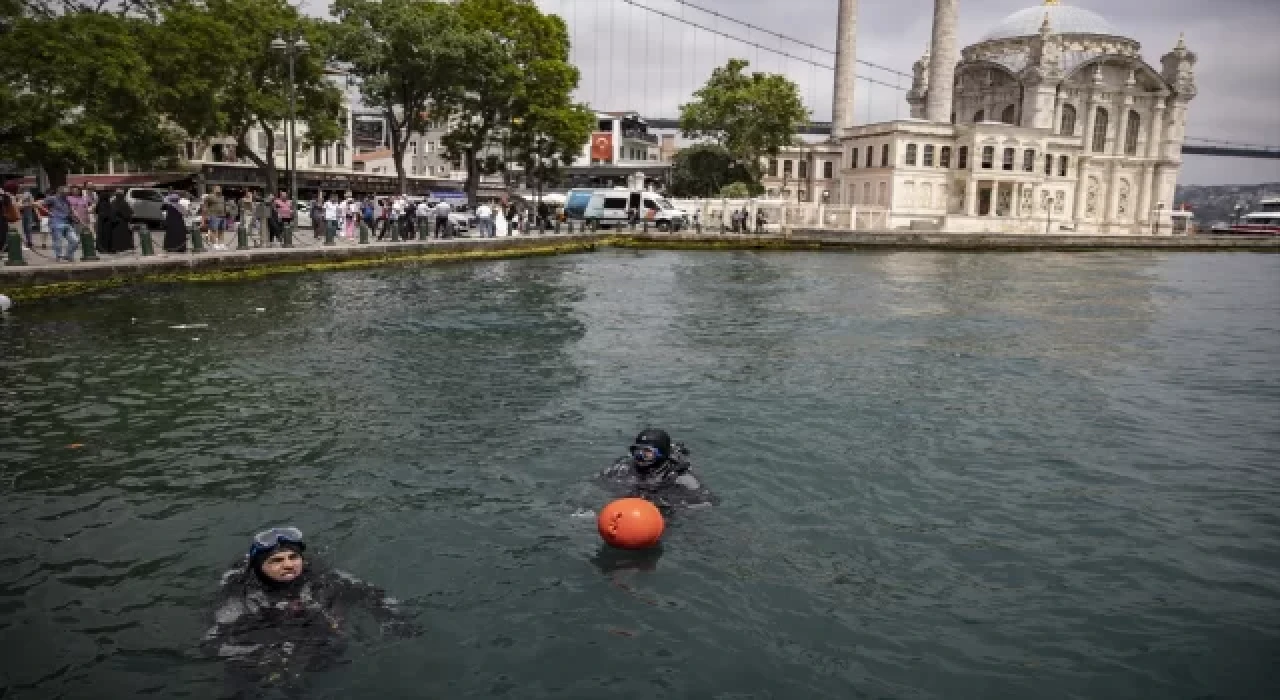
point(291, 46)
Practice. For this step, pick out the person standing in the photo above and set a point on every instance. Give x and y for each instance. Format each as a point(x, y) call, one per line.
point(61, 225)
point(318, 209)
point(423, 212)
point(215, 214)
point(484, 221)
point(247, 217)
point(442, 212)
point(330, 214)
point(175, 224)
point(282, 210)
point(367, 211)
point(9, 214)
point(114, 235)
point(30, 218)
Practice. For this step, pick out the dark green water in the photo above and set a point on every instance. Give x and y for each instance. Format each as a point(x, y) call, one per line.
point(943, 475)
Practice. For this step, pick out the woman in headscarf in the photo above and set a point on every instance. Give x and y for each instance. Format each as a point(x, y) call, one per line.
point(175, 224)
point(114, 234)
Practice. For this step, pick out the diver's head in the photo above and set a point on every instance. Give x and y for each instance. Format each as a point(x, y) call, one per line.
point(651, 450)
point(275, 555)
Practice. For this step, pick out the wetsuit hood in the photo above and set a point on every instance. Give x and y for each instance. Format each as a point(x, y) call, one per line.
point(260, 557)
point(660, 441)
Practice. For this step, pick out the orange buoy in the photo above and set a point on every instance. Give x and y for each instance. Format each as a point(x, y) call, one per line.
point(631, 523)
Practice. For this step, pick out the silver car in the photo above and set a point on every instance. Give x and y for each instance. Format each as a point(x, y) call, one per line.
point(146, 203)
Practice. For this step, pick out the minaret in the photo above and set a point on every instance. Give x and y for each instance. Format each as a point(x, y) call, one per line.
point(846, 73)
point(942, 60)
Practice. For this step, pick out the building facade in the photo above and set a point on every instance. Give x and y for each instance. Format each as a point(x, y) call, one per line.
point(1054, 121)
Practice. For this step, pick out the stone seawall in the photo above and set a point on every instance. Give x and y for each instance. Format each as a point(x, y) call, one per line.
point(43, 279)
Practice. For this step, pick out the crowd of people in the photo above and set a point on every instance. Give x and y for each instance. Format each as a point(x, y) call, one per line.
point(73, 212)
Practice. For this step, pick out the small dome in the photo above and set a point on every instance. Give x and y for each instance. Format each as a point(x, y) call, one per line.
point(1063, 19)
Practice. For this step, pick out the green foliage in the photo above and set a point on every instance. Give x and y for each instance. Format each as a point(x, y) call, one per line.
point(703, 170)
point(736, 190)
point(406, 54)
point(77, 89)
point(218, 76)
point(751, 115)
point(516, 91)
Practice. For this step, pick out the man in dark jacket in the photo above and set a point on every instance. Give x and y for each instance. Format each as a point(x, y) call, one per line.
point(659, 471)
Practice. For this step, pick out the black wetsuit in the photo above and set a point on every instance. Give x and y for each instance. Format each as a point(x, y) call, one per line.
point(272, 634)
point(671, 483)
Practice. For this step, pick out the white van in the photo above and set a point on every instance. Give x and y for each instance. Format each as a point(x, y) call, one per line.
point(610, 207)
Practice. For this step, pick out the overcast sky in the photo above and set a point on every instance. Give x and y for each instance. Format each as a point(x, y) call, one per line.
point(634, 60)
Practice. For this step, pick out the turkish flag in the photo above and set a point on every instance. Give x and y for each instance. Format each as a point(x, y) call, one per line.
point(602, 146)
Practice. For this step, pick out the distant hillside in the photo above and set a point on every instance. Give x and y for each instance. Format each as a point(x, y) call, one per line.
point(1215, 204)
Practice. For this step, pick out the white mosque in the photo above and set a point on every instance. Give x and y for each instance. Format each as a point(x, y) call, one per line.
point(1052, 122)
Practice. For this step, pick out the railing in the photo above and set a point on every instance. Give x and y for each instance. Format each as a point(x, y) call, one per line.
point(781, 216)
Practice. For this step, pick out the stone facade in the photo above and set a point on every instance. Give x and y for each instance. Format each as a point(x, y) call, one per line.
point(1047, 131)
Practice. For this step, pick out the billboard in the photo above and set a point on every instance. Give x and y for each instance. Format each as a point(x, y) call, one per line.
point(602, 147)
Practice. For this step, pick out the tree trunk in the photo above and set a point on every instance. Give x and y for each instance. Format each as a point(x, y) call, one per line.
point(473, 177)
point(266, 167)
point(57, 176)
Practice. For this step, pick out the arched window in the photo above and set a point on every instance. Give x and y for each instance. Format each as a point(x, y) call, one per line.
point(981, 116)
point(1100, 125)
point(1131, 134)
point(1009, 115)
point(1068, 120)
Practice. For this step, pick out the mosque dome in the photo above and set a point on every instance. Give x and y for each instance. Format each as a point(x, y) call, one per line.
point(1064, 19)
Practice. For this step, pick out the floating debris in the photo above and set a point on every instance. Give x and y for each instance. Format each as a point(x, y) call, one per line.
point(189, 326)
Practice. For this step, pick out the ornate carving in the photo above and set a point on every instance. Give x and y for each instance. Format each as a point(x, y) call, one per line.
point(1122, 209)
point(1059, 202)
point(1091, 198)
point(1027, 209)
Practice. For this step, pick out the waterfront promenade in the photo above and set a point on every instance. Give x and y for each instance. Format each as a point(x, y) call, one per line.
point(42, 277)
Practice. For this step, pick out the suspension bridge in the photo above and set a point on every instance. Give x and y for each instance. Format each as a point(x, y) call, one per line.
point(650, 56)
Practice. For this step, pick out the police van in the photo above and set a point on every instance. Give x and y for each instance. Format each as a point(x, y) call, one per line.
point(612, 208)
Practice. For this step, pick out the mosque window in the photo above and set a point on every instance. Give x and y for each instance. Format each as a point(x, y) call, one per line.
point(1010, 155)
point(962, 158)
point(911, 154)
point(827, 170)
point(884, 155)
point(944, 157)
point(928, 155)
point(1068, 120)
point(1131, 134)
point(773, 167)
point(988, 157)
point(1009, 115)
point(853, 159)
point(1063, 166)
point(803, 170)
point(1048, 164)
point(1100, 125)
point(981, 116)
point(1029, 161)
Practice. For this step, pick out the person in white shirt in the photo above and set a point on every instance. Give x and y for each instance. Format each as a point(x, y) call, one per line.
point(442, 219)
point(484, 220)
point(331, 215)
point(422, 215)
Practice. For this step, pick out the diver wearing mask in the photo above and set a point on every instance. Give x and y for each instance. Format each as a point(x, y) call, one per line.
point(281, 613)
point(659, 471)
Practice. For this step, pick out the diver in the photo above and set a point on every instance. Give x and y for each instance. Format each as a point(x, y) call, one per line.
point(659, 471)
point(281, 613)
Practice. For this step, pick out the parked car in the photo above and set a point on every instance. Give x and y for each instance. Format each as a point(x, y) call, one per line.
point(146, 203)
point(462, 222)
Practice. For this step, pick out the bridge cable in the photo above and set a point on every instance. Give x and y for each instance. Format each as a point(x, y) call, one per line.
point(766, 48)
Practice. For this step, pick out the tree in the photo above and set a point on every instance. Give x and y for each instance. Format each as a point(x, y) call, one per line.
point(548, 138)
point(751, 115)
point(407, 54)
point(704, 169)
point(77, 90)
point(735, 190)
point(218, 75)
point(517, 89)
